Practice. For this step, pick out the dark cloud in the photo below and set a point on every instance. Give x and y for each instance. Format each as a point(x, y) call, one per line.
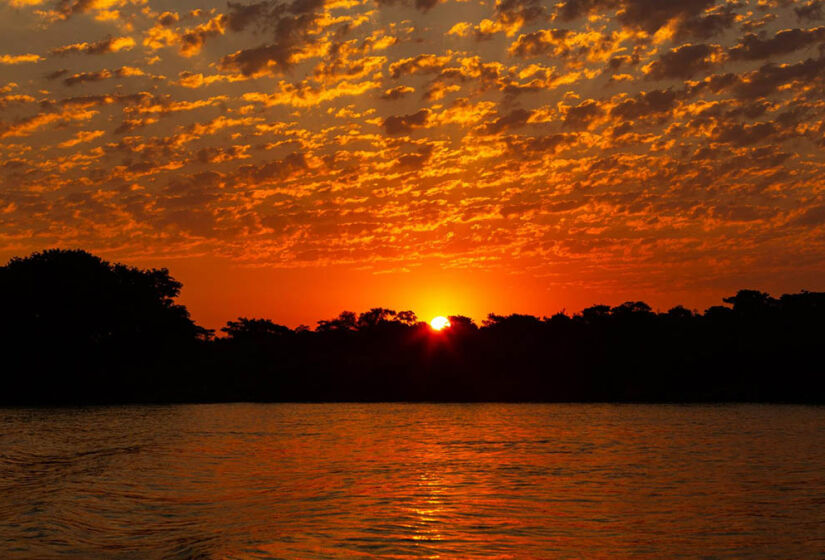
point(397, 93)
point(168, 19)
point(814, 216)
point(519, 11)
point(744, 134)
point(425, 5)
point(648, 15)
point(404, 124)
point(241, 16)
point(754, 24)
point(618, 62)
point(580, 116)
point(530, 146)
point(98, 76)
point(646, 104)
point(290, 24)
point(108, 45)
point(754, 47)
point(422, 6)
point(82, 77)
point(514, 119)
point(768, 78)
point(128, 125)
point(68, 8)
point(420, 64)
point(811, 10)
point(218, 154)
point(273, 170)
point(185, 192)
point(416, 160)
point(258, 59)
point(682, 62)
point(85, 101)
point(56, 74)
point(192, 40)
point(709, 25)
point(538, 43)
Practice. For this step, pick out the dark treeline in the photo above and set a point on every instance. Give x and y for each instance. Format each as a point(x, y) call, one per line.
point(76, 329)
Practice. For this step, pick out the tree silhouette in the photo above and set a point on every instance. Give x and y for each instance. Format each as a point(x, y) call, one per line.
point(69, 315)
point(254, 329)
point(75, 328)
point(346, 321)
point(406, 317)
point(374, 317)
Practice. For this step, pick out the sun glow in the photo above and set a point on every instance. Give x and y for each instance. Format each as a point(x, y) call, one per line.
point(439, 323)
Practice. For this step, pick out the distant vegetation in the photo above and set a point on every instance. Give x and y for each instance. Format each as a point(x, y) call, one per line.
point(76, 329)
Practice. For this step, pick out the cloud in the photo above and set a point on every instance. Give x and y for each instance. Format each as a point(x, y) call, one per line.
point(770, 77)
point(263, 59)
point(397, 92)
point(108, 45)
point(28, 125)
point(754, 47)
point(82, 137)
point(274, 170)
point(645, 104)
point(417, 159)
point(305, 94)
point(647, 15)
point(530, 146)
point(68, 8)
point(745, 134)
point(422, 6)
point(579, 117)
point(192, 40)
point(168, 19)
point(19, 58)
point(291, 25)
point(241, 16)
point(539, 43)
point(516, 118)
point(516, 13)
point(420, 64)
point(811, 10)
point(684, 62)
point(811, 217)
point(100, 75)
point(589, 142)
point(404, 124)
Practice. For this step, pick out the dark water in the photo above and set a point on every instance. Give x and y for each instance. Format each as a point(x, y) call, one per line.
point(404, 481)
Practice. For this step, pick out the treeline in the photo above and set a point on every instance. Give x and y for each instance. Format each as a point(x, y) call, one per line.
point(76, 329)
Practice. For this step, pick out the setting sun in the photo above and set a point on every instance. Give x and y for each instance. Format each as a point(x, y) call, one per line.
point(439, 323)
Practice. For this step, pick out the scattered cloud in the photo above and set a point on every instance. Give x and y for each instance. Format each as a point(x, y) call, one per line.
point(10, 59)
point(633, 142)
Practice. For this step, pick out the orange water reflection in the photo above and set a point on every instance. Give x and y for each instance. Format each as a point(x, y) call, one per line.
point(413, 481)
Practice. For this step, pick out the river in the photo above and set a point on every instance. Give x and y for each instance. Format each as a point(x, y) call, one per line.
point(448, 481)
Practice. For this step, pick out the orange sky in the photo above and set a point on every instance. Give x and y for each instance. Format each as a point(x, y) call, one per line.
point(293, 159)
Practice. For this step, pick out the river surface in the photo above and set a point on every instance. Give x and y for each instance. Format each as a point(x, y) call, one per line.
point(446, 481)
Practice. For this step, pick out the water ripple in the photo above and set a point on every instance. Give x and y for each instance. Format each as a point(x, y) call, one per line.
point(412, 481)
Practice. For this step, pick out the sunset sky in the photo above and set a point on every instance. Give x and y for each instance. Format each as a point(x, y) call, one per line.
point(293, 159)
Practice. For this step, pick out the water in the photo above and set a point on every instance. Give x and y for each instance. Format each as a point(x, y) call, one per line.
point(413, 481)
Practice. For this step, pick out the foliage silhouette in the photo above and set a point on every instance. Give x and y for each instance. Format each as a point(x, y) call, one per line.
point(77, 329)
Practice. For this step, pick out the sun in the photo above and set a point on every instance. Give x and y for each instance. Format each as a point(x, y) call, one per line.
point(439, 323)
